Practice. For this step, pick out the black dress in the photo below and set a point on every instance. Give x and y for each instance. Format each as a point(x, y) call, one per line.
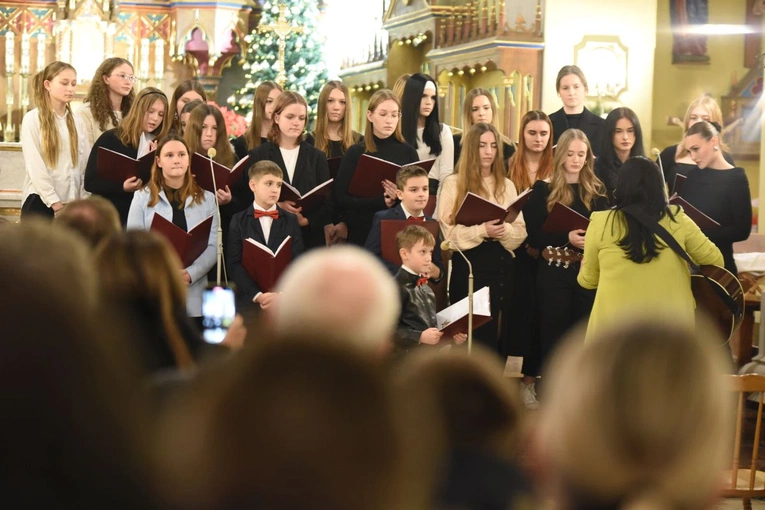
point(591, 124)
point(724, 196)
point(109, 189)
point(359, 211)
point(671, 168)
point(335, 146)
point(608, 173)
point(240, 146)
point(562, 302)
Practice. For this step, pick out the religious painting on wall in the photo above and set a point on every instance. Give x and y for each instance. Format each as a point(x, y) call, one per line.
point(689, 43)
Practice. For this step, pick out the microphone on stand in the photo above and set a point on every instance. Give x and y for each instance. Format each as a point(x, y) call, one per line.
point(211, 153)
point(657, 153)
point(449, 246)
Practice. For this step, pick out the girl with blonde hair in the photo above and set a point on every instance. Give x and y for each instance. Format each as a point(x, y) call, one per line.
point(262, 109)
point(481, 170)
point(109, 98)
point(481, 106)
point(333, 134)
point(382, 139)
point(562, 302)
point(54, 144)
point(135, 137)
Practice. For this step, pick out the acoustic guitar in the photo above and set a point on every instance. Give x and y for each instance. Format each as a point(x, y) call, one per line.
point(561, 257)
point(709, 302)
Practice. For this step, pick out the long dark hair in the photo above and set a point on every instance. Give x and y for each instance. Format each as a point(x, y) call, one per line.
point(410, 113)
point(639, 185)
point(607, 151)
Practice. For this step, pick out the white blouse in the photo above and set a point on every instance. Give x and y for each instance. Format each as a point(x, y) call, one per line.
point(63, 183)
point(290, 157)
point(444, 165)
point(92, 128)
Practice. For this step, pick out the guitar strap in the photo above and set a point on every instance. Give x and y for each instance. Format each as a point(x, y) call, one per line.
point(670, 241)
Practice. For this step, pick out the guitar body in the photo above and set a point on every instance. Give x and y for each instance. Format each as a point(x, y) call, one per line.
point(708, 301)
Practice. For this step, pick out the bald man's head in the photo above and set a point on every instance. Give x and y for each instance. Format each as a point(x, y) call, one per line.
point(341, 292)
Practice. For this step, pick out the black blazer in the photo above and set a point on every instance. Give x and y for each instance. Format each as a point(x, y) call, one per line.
point(110, 190)
point(243, 226)
point(311, 169)
point(373, 243)
point(591, 124)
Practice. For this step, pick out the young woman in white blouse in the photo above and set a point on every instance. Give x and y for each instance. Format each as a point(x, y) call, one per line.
point(422, 129)
point(304, 166)
point(54, 144)
point(109, 98)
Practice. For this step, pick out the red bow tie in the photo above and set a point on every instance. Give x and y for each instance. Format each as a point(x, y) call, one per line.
point(271, 214)
point(418, 218)
point(422, 281)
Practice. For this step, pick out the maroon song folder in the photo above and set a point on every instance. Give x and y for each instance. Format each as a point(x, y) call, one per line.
point(334, 166)
point(563, 219)
point(263, 265)
point(680, 182)
point(698, 217)
point(371, 171)
point(117, 167)
point(188, 245)
point(388, 231)
point(311, 200)
point(475, 210)
point(200, 167)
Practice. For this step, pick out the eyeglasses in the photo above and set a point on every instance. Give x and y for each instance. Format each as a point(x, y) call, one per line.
point(130, 78)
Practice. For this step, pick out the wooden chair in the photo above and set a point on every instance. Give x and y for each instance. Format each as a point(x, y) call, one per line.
point(746, 483)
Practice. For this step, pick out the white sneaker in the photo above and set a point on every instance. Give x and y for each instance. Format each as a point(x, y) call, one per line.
point(529, 396)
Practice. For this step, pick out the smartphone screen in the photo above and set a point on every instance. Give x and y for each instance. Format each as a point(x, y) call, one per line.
point(218, 312)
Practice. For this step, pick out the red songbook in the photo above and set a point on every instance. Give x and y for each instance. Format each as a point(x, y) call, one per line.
point(263, 265)
point(698, 217)
point(371, 171)
point(679, 182)
point(188, 245)
point(454, 319)
point(475, 210)
point(334, 166)
point(563, 219)
point(311, 200)
point(388, 231)
point(200, 167)
point(117, 167)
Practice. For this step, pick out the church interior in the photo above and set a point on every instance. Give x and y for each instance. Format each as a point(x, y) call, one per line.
point(649, 414)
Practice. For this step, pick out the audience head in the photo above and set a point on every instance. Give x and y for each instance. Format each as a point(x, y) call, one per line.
point(298, 423)
point(186, 113)
point(420, 103)
point(262, 110)
point(52, 86)
point(334, 107)
point(623, 135)
point(415, 247)
point(535, 139)
point(637, 418)
point(289, 118)
point(113, 77)
point(147, 115)
point(480, 106)
point(383, 115)
point(572, 87)
point(344, 292)
point(94, 218)
point(206, 130)
point(266, 180)
point(185, 92)
point(398, 87)
point(413, 188)
point(703, 144)
point(574, 163)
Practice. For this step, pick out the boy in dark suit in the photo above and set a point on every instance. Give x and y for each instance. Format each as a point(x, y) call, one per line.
point(417, 322)
point(412, 183)
point(264, 222)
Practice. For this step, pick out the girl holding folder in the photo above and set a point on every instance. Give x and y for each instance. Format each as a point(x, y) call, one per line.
point(562, 302)
point(382, 139)
point(173, 194)
point(488, 246)
point(134, 138)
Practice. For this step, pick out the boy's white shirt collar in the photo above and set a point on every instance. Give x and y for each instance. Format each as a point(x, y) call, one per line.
point(258, 208)
point(408, 214)
point(403, 266)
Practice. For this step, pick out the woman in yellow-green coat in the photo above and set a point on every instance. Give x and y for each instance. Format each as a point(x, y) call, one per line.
point(634, 272)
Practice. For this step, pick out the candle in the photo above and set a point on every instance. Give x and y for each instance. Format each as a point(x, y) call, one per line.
point(143, 69)
point(40, 52)
point(24, 67)
point(10, 53)
point(159, 59)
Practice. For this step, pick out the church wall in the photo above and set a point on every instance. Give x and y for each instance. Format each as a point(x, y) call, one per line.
point(566, 23)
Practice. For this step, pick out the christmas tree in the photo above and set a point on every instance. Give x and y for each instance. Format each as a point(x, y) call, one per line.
point(306, 72)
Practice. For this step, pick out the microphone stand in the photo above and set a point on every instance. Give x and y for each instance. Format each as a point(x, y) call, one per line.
point(448, 245)
point(656, 153)
point(211, 152)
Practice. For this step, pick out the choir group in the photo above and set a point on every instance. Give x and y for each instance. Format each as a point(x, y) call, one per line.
point(571, 157)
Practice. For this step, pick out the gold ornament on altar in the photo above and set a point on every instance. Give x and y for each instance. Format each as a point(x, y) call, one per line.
point(282, 29)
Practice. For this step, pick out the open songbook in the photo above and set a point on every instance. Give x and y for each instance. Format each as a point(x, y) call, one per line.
point(188, 245)
point(563, 219)
point(117, 167)
point(475, 209)
point(388, 231)
point(263, 265)
point(371, 171)
point(200, 167)
point(454, 319)
point(698, 217)
point(311, 200)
